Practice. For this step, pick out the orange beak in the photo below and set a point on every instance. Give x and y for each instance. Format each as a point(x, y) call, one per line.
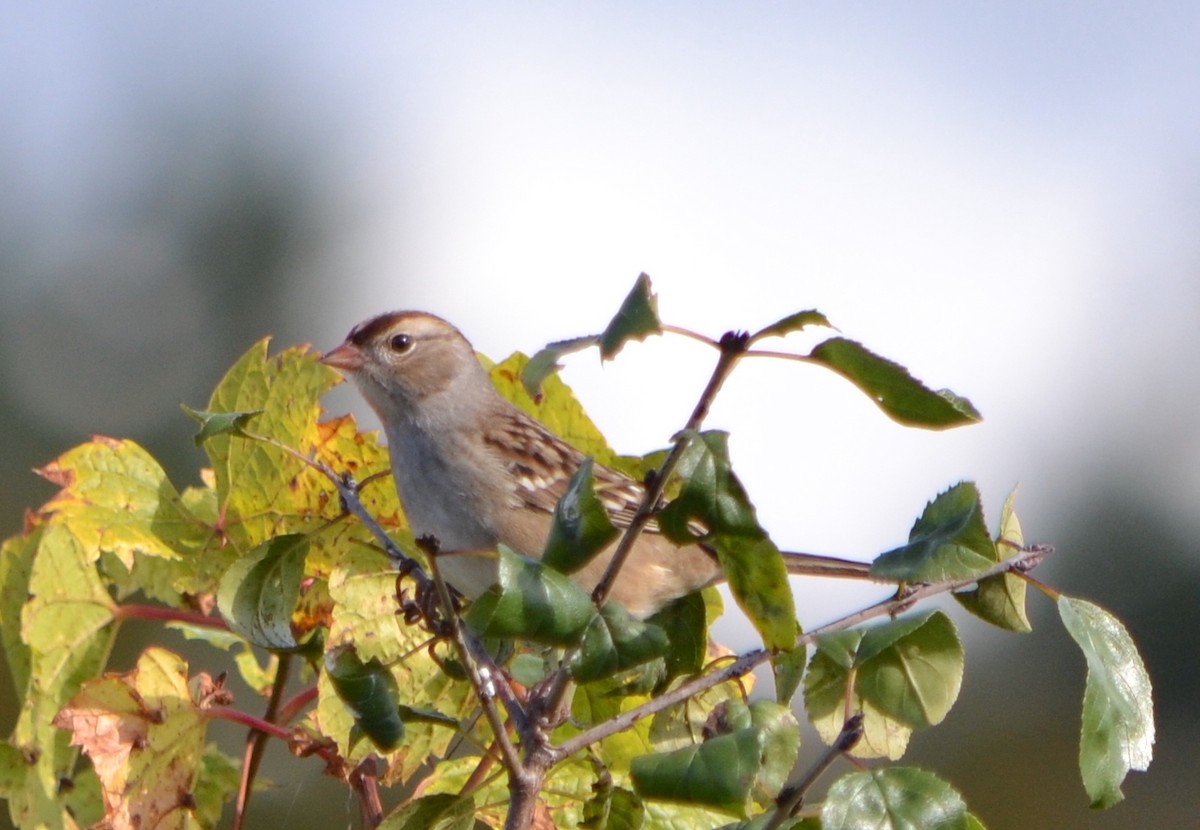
point(347, 357)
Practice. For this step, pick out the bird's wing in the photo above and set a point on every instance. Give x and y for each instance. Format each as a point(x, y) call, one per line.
point(541, 465)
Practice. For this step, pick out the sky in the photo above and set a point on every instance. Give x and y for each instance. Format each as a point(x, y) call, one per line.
point(1002, 197)
point(999, 197)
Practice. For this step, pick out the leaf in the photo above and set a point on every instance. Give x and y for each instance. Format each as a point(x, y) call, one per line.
point(685, 624)
point(362, 588)
point(613, 808)
point(545, 362)
point(1000, 599)
point(712, 497)
point(440, 811)
point(66, 627)
point(371, 693)
point(950, 541)
point(793, 322)
point(911, 668)
point(901, 675)
point(637, 319)
point(581, 527)
point(557, 408)
point(115, 497)
point(263, 491)
point(216, 782)
point(220, 423)
point(902, 397)
point(145, 739)
point(718, 773)
point(893, 798)
point(531, 602)
point(1118, 703)
point(614, 642)
point(258, 593)
point(16, 567)
point(788, 666)
point(779, 737)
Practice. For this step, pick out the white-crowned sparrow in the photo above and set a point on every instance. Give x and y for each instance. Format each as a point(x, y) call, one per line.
point(473, 470)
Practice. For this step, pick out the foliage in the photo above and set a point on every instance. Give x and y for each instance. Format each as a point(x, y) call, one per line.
point(596, 719)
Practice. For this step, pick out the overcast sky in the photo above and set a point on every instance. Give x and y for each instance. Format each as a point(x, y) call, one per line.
point(1000, 196)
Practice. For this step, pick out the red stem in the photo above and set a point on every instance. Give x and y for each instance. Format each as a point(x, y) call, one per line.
point(158, 612)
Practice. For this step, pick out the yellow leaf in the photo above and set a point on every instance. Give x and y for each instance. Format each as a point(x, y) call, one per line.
point(145, 739)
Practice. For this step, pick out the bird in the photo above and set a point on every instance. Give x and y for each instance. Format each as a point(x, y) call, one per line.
point(472, 470)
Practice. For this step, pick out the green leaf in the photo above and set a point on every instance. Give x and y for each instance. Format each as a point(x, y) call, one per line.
point(16, 566)
point(614, 642)
point(788, 666)
point(581, 527)
point(718, 773)
point(116, 497)
point(902, 397)
point(441, 811)
point(545, 362)
point(713, 498)
point(779, 737)
point(950, 541)
point(66, 625)
point(1118, 704)
point(793, 322)
point(1000, 599)
point(531, 602)
point(901, 675)
point(263, 491)
point(612, 808)
point(371, 693)
point(220, 423)
point(637, 319)
point(893, 798)
point(685, 623)
point(258, 593)
point(911, 668)
point(216, 782)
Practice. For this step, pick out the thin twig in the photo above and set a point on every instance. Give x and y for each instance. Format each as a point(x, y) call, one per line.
point(693, 335)
point(791, 797)
point(256, 741)
point(732, 346)
point(472, 656)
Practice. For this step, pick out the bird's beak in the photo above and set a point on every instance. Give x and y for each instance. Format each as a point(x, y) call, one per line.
point(347, 357)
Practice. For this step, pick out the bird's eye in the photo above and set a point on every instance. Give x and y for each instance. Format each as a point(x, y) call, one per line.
point(400, 343)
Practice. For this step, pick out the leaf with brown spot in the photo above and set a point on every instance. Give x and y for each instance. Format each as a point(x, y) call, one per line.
point(145, 739)
point(116, 497)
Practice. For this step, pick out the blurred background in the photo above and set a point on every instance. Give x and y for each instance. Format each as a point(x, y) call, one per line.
point(1003, 197)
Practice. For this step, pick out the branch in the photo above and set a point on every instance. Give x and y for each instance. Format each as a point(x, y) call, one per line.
point(256, 741)
point(158, 612)
point(791, 797)
point(486, 682)
point(1027, 559)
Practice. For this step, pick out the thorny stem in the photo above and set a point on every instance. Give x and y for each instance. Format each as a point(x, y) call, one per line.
point(1019, 563)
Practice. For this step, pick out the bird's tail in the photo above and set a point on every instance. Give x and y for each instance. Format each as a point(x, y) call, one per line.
point(811, 564)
